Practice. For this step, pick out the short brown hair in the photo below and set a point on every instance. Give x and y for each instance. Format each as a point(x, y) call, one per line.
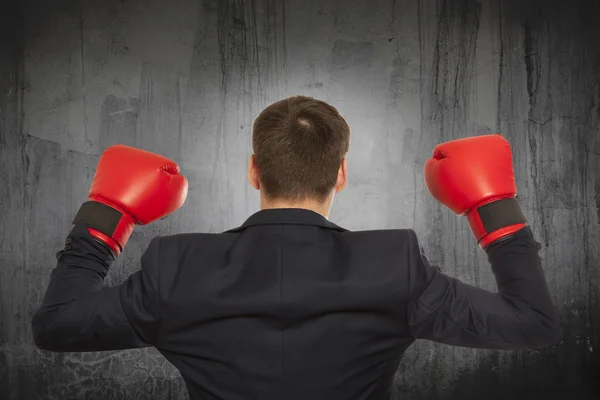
point(299, 144)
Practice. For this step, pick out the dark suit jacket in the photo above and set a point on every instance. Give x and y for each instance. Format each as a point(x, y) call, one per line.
point(290, 306)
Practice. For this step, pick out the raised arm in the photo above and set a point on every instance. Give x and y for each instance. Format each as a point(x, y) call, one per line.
point(474, 177)
point(131, 186)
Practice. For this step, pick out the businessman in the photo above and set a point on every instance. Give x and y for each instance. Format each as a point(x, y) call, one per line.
point(289, 306)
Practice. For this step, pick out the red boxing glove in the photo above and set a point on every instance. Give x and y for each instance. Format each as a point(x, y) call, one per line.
point(131, 186)
point(474, 177)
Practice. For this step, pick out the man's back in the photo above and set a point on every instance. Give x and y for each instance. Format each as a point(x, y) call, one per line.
point(287, 306)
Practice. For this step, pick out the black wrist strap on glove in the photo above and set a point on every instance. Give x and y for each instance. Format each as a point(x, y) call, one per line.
point(99, 216)
point(501, 213)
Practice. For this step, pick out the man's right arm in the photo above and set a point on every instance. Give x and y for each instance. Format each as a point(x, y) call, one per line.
point(521, 315)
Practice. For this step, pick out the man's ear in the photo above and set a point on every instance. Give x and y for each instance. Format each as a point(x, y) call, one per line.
point(342, 178)
point(253, 172)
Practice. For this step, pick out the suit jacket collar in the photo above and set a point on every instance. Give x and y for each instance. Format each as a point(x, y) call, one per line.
point(287, 216)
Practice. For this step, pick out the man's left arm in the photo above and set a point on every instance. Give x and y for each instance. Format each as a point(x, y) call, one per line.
point(80, 313)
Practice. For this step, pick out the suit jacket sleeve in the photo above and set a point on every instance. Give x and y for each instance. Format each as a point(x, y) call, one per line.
point(519, 315)
point(79, 313)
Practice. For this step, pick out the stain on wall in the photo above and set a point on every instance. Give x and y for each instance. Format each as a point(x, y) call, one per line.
point(186, 79)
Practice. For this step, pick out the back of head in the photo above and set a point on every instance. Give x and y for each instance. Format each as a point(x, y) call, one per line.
point(299, 144)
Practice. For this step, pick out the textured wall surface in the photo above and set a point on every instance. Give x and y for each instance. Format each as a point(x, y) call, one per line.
point(185, 78)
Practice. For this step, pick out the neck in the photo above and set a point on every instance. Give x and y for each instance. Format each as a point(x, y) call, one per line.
point(320, 208)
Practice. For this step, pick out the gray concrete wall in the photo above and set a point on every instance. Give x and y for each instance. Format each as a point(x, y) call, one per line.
point(186, 78)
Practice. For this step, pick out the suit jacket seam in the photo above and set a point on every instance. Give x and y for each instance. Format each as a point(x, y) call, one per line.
point(281, 301)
